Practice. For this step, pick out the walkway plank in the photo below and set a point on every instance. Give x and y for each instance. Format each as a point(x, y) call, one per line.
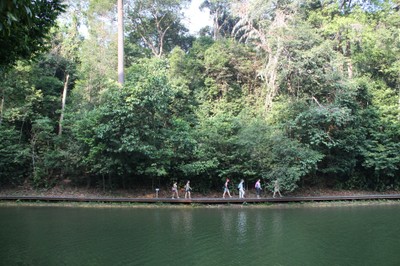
point(202, 200)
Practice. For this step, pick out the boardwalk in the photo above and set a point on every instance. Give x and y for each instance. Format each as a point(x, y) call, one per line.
point(202, 200)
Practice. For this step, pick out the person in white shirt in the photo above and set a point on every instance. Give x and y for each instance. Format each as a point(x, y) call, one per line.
point(258, 188)
point(241, 189)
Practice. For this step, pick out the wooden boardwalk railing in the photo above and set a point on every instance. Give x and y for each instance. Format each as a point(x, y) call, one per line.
point(202, 200)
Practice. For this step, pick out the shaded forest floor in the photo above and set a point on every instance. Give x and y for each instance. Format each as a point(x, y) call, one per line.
point(70, 191)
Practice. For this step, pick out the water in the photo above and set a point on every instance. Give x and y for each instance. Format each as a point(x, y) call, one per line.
point(358, 235)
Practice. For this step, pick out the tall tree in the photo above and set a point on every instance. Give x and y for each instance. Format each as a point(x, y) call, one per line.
point(98, 55)
point(265, 25)
point(156, 25)
point(121, 41)
point(223, 20)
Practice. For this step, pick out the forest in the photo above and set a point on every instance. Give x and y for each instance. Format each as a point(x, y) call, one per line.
point(303, 91)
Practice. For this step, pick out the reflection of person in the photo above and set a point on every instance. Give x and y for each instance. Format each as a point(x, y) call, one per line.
point(226, 189)
point(241, 189)
point(276, 188)
point(175, 190)
point(187, 190)
point(258, 187)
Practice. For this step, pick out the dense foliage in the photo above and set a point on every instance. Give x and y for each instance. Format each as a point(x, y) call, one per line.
point(307, 92)
point(24, 25)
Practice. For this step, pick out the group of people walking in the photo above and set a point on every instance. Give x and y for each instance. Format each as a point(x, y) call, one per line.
point(257, 186)
point(187, 190)
point(240, 187)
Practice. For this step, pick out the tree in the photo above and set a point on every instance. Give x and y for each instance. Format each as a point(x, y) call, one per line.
point(14, 157)
point(121, 41)
point(266, 25)
point(137, 133)
point(229, 72)
point(223, 20)
point(23, 28)
point(98, 56)
point(157, 25)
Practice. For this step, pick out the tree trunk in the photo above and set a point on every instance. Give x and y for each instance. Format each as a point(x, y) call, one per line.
point(33, 143)
point(216, 25)
point(104, 183)
point(1, 109)
point(399, 105)
point(121, 42)
point(271, 75)
point(349, 62)
point(64, 98)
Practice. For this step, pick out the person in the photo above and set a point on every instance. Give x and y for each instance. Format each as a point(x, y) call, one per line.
point(226, 189)
point(258, 188)
point(175, 190)
point(241, 189)
point(276, 188)
point(187, 190)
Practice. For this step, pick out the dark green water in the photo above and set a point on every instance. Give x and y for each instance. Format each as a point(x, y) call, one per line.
point(357, 235)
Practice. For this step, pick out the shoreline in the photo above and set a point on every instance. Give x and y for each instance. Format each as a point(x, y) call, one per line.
point(193, 205)
point(145, 198)
point(165, 192)
point(101, 205)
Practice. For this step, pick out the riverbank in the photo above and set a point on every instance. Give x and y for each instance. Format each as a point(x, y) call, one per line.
point(101, 205)
point(77, 192)
point(73, 196)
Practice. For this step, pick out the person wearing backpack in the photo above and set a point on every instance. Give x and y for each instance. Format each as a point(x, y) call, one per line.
point(187, 190)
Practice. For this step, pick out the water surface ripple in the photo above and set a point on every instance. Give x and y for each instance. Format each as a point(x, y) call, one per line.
point(354, 235)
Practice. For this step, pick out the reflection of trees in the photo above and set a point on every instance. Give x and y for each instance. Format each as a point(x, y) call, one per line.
point(181, 221)
point(277, 228)
point(187, 220)
point(227, 221)
point(259, 225)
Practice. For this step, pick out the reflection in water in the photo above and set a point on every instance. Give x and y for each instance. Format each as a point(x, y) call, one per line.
point(227, 221)
point(188, 222)
point(181, 221)
point(242, 227)
point(175, 221)
point(259, 223)
point(200, 236)
point(277, 226)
